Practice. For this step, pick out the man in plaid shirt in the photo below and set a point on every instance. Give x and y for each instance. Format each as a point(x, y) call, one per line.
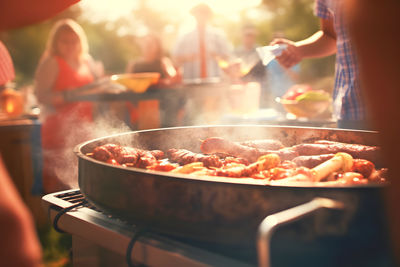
point(332, 38)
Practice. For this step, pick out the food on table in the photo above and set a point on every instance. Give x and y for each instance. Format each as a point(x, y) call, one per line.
point(137, 82)
point(295, 91)
point(302, 101)
point(316, 95)
point(299, 92)
point(323, 162)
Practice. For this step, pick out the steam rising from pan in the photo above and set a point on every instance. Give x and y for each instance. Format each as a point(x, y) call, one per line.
point(62, 164)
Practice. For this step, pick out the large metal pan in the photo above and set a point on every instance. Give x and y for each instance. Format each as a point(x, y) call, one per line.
point(222, 210)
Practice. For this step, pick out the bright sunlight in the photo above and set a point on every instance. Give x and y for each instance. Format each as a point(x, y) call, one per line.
point(112, 10)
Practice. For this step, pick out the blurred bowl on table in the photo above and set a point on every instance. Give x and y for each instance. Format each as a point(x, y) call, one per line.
point(137, 82)
point(308, 105)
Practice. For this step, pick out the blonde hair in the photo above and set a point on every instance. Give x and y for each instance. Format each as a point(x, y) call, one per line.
point(58, 28)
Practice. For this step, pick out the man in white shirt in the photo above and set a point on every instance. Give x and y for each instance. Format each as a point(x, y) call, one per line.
point(199, 51)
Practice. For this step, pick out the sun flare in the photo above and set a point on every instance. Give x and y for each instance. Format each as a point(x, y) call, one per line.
point(113, 10)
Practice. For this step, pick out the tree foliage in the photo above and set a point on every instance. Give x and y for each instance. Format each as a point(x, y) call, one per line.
point(114, 42)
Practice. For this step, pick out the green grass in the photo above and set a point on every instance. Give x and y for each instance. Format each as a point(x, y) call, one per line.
point(56, 247)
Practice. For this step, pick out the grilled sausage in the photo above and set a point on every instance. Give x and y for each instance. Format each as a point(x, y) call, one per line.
point(311, 161)
point(183, 157)
point(214, 145)
point(265, 144)
point(220, 145)
point(371, 153)
point(286, 153)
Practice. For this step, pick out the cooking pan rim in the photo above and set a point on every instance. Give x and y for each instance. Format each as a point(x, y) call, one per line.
point(221, 180)
point(228, 126)
point(78, 146)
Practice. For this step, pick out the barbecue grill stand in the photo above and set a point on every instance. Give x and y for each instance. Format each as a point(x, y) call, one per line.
point(272, 222)
point(90, 227)
point(116, 241)
point(84, 203)
point(63, 211)
point(129, 250)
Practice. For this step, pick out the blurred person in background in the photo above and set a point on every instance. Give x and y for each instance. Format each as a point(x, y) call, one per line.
point(251, 68)
point(154, 60)
point(374, 29)
point(147, 112)
point(246, 51)
point(19, 244)
point(274, 79)
point(199, 51)
point(64, 66)
point(348, 103)
point(203, 56)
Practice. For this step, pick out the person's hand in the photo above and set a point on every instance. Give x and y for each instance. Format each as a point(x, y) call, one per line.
point(223, 61)
point(234, 70)
point(290, 56)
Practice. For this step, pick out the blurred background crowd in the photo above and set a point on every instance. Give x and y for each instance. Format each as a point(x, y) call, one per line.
point(114, 34)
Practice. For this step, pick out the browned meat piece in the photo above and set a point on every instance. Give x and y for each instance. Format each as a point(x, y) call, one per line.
point(183, 157)
point(363, 166)
point(146, 158)
point(295, 174)
point(265, 144)
point(127, 155)
point(311, 161)
point(329, 142)
point(120, 153)
point(228, 160)
point(101, 153)
point(371, 153)
point(314, 149)
point(286, 153)
point(237, 171)
point(379, 175)
point(112, 148)
point(158, 154)
point(214, 145)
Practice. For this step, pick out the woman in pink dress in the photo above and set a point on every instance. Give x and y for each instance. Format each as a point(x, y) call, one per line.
point(64, 66)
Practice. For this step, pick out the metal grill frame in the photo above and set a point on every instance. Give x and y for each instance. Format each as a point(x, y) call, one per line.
point(113, 234)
